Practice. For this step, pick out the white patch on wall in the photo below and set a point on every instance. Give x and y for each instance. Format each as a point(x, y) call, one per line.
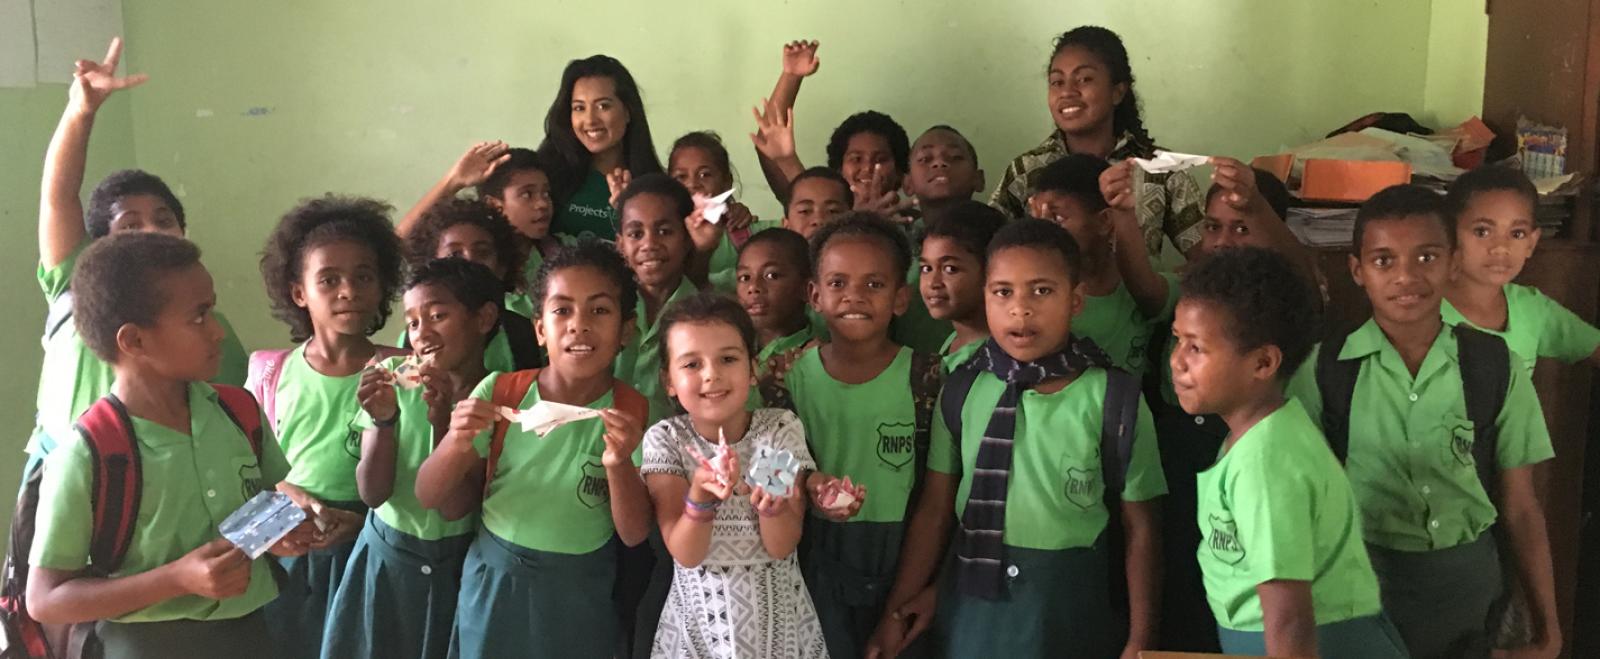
point(203, 113)
point(70, 30)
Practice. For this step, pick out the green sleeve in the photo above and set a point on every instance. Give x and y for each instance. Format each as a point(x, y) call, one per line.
point(274, 467)
point(1566, 336)
point(63, 522)
point(55, 281)
point(1303, 387)
point(1146, 480)
point(1184, 212)
point(942, 454)
point(484, 391)
point(235, 362)
point(1524, 439)
point(1273, 508)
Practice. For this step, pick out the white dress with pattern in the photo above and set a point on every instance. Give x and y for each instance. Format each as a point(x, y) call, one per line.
point(739, 603)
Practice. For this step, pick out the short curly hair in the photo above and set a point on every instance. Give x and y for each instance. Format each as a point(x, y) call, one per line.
point(422, 244)
point(1398, 202)
point(661, 185)
point(114, 284)
point(322, 221)
point(871, 226)
point(971, 224)
point(588, 253)
point(877, 123)
point(1265, 298)
point(1041, 235)
point(1078, 176)
point(1491, 178)
point(517, 160)
point(472, 284)
point(97, 217)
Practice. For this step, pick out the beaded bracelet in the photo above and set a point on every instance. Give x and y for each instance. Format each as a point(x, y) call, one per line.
point(700, 512)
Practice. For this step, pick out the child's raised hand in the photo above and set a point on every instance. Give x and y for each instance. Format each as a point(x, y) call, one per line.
point(93, 82)
point(737, 218)
point(622, 438)
point(774, 136)
point(702, 232)
point(471, 417)
point(215, 570)
point(800, 58)
point(616, 182)
point(721, 470)
point(376, 394)
point(478, 163)
point(1237, 181)
point(879, 196)
point(1116, 185)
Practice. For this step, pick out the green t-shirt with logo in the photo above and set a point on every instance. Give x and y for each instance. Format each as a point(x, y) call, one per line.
point(1277, 506)
point(639, 363)
point(549, 493)
point(413, 445)
point(1056, 498)
point(588, 214)
point(1537, 326)
point(953, 359)
point(191, 483)
point(865, 431)
point(1115, 323)
point(315, 422)
point(73, 377)
point(1410, 460)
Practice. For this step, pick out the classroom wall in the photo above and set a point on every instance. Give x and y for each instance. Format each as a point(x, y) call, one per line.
point(252, 106)
point(1458, 41)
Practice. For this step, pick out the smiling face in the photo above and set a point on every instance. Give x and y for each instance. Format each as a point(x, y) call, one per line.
point(942, 167)
point(525, 202)
point(857, 290)
point(1210, 374)
point(144, 212)
point(581, 322)
point(1496, 235)
point(709, 370)
point(1403, 264)
point(1030, 299)
point(473, 243)
point(814, 202)
point(865, 152)
point(770, 287)
point(653, 240)
point(599, 118)
point(698, 171)
point(185, 342)
point(952, 280)
point(339, 287)
point(440, 327)
point(1080, 92)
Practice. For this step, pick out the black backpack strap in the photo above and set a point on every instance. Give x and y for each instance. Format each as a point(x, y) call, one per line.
point(1485, 364)
point(957, 384)
point(1336, 382)
point(525, 353)
point(927, 371)
point(59, 314)
point(1118, 428)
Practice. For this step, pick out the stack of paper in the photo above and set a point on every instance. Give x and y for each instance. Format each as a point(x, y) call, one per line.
point(1322, 226)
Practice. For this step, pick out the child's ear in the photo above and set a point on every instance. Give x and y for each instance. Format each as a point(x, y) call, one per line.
point(538, 332)
point(1533, 240)
point(486, 317)
point(1076, 301)
point(297, 294)
point(495, 203)
point(1119, 91)
point(902, 299)
point(980, 184)
point(666, 383)
point(1355, 267)
point(628, 328)
point(813, 295)
point(130, 341)
point(1267, 360)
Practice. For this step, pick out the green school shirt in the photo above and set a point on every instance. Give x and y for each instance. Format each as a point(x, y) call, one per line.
point(549, 493)
point(1277, 506)
point(1056, 498)
point(1115, 323)
point(414, 443)
point(588, 214)
point(953, 360)
point(724, 264)
point(73, 377)
point(772, 364)
point(1410, 460)
point(316, 429)
point(865, 431)
point(639, 363)
point(1537, 326)
point(192, 482)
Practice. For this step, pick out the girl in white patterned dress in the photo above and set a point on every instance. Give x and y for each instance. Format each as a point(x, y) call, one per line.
point(736, 588)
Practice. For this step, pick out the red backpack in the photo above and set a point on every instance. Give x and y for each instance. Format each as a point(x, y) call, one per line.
point(511, 388)
point(266, 367)
point(114, 493)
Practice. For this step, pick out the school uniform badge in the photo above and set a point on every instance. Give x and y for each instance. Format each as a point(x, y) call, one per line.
point(249, 480)
point(897, 444)
point(1083, 487)
point(593, 489)
point(1461, 440)
point(1224, 540)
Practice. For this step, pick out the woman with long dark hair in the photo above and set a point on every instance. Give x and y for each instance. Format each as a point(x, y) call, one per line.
point(595, 129)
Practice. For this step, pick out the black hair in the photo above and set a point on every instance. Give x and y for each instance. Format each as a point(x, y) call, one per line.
point(1107, 46)
point(832, 175)
point(116, 283)
point(1076, 175)
point(660, 185)
point(322, 221)
point(518, 160)
point(1271, 188)
point(1493, 178)
point(588, 253)
point(1399, 202)
point(708, 141)
point(473, 284)
point(569, 161)
point(792, 245)
point(1041, 235)
point(1265, 298)
point(707, 307)
point(971, 224)
point(876, 123)
point(422, 244)
point(128, 182)
point(972, 151)
point(870, 226)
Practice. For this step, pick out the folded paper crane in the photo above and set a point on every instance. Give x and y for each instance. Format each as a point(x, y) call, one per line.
point(406, 375)
point(1168, 161)
point(714, 208)
point(545, 416)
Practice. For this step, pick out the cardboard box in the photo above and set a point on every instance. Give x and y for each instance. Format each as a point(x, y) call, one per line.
point(1349, 180)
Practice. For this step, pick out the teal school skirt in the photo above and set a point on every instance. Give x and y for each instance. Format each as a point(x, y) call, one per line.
point(236, 638)
point(1372, 637)
point(398, 596)
point(1441, 600)
point(299, 615)
point(849, 568)
point(521, 602)
point(1057, 604)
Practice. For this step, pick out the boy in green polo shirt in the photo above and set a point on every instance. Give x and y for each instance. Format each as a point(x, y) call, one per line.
point(1425, 510)
point(1123, 295)
point(955, 248)
point(1285, 569)
point(1029, 575)
point(774, 268)
point(656, 245)
point(144, 304)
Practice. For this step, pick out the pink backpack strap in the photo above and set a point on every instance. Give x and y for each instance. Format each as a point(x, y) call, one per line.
point(266, 366)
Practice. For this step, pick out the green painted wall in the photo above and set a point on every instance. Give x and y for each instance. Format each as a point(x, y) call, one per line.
point(252, 106)
point(1458, 39)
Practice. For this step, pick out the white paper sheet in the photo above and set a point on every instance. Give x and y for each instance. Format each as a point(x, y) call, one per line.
point(546, 416)
point(1169, 161)
point(70, 30)
point(715, 207)
point(16, 44)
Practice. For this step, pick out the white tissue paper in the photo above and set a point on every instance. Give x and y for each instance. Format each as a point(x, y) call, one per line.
point(715, 207)
point(1168, 161)
point(546, 416)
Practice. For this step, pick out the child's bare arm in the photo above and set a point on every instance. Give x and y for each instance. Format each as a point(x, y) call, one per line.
point(446, 480)
point(375, 470)
point(687, 540)
point(472, 168)
point(1530, 541)
point(1290, 620)
point(1141, 526)
point(216, 570)
point(630, 502)
point(799, 62)
point(61, 227)
point(921, 554)
point(1148, 288)
point(781, 520)
point(1239, 190)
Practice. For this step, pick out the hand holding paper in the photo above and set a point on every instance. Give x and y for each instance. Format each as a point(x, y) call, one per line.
point(713, 208)
point(546, 416)
point(838, 499)
point(1168, 161)
point(773, 472)
point(722, 464)
point(261, 522)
